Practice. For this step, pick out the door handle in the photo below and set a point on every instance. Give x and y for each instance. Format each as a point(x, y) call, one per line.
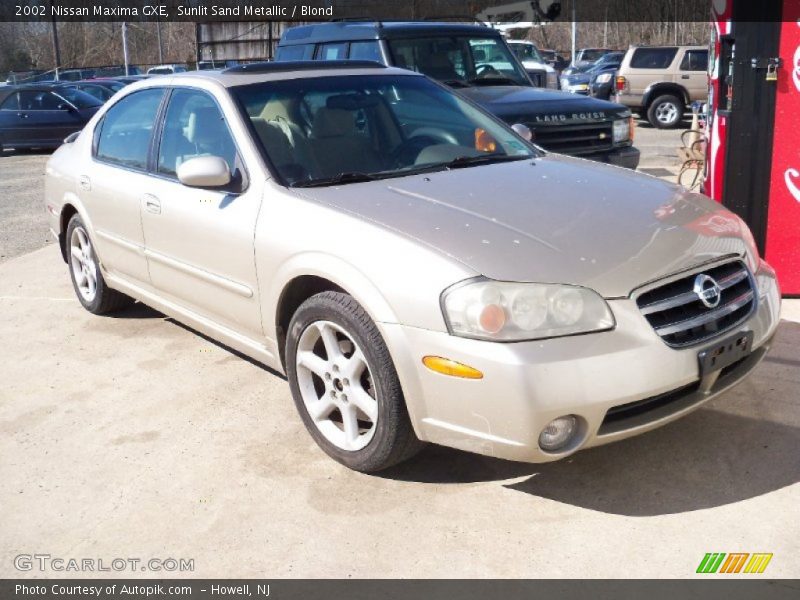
point(84, 183)
point(22, 115)
point(684, 77)
point(152, 204)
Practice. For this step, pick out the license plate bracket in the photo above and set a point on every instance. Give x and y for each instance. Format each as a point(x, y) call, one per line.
point(725, 353)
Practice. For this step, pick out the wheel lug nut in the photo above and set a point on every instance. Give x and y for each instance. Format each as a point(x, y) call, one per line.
point(333, 394)
point(328, 376)
point(344, 398)
point(335, 368)
point(345, 382)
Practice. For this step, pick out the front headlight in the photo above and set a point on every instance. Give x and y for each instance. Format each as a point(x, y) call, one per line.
point(552, 80)
point(622, 130)
point(604, 77)
point(506, 311)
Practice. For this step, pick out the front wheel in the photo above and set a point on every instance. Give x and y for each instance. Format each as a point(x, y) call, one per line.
point(90, 287)
point(345, 385)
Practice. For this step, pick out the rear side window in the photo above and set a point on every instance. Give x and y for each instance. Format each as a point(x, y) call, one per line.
point(301, 52)
point(126, 129)
point(336, 51)
point(652, 58)
point(365, 51)
point(695, 60)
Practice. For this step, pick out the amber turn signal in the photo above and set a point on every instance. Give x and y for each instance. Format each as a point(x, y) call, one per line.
point(445, 366)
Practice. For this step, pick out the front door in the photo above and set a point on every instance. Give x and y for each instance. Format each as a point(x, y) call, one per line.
point(200, 242)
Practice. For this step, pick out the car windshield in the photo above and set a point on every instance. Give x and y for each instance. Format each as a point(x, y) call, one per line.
point(78, 98)
point(526, 52)
point(332, 130)
point(592, 55)
point(459, 60)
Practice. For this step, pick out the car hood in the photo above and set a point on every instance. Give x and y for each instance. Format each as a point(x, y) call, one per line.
point(520, 104)
point(551, 219)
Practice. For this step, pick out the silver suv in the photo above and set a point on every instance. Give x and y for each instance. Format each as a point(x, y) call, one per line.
point(661, 81)
point(417, 269)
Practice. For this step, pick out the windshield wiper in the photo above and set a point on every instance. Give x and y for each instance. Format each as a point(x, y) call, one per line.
point(482, 159)
point(349, 177)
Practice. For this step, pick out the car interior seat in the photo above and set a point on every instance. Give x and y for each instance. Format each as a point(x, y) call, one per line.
point(337, 144)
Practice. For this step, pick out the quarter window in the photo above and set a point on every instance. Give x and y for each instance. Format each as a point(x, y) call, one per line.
point(652, 58)
point(127, 128)
point(194, 126)
point(11, 103)
point(300, 52)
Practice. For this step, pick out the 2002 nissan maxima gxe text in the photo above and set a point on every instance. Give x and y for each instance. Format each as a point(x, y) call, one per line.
point(416, 278)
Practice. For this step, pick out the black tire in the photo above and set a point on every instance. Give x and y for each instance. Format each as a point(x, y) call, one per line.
point(393, 440)
point(106, 300)
point(665, 112)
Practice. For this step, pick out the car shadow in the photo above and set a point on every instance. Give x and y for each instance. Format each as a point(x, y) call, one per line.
point(721, 454)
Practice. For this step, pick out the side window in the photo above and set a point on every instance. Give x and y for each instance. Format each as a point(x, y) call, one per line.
point(32, 100)
point(193, 126)
point(365, 51)
point(695, 60)
point(335, 51)
point(127, 128)
point(10, 103)
point(300, 52)
point(652, 58)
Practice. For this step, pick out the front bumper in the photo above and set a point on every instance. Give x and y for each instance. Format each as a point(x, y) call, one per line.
point(627, 157)
point(528, 384)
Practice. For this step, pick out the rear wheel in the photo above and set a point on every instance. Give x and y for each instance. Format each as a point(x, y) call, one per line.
point(345, 385)
point(84, 270)
point(665, 112)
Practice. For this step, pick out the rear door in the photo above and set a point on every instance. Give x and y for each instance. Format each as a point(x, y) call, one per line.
point(200, 242)
point(116, 179)
point(693, 73)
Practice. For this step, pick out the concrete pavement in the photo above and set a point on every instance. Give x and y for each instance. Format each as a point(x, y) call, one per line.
point(132, 436)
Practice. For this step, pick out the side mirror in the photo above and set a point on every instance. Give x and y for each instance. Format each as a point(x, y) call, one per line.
point(522, 131)
point(204, 171)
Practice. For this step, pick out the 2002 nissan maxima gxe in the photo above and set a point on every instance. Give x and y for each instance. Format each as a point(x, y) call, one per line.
point(416, 278)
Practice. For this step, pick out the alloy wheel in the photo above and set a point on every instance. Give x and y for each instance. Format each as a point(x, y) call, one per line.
point(667, 113)
point(336, 385)
point(84, 268)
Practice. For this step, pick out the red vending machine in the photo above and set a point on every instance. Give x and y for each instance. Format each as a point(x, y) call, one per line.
point(753, 126)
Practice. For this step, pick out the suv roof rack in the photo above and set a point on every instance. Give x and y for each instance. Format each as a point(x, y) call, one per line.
point(457, 18)
point(303, 65)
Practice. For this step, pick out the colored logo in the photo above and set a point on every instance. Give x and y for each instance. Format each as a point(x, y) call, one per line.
point(735, 562)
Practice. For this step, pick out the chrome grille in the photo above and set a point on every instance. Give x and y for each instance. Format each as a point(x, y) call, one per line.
point(680, 318)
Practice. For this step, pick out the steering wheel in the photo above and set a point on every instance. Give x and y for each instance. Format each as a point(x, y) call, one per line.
point(406, 153)
point(484, 70)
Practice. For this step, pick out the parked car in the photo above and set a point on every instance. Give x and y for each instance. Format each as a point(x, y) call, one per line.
point(416, 268)
point(584, 59)
point(117, 71)
point(166, 69)
point(660, 82)
point(554, 59)
point(102, 89)
point(41, 116)
point(456, 55)
point(578, 83)
point(540, 73)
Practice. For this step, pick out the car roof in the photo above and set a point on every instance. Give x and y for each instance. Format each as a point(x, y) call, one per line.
point(373, 30)
point(278, 71)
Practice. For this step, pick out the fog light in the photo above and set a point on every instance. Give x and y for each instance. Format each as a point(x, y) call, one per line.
point(558, 433)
